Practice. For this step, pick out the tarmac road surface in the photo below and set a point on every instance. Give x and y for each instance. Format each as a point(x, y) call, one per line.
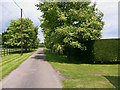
point(35, 72)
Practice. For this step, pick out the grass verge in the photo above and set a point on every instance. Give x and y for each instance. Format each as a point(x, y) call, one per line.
point(11, 62)
point(84, 75)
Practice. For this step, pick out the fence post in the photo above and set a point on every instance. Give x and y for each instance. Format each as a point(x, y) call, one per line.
point(0, 52)
point(4, 51)
point(7, 51)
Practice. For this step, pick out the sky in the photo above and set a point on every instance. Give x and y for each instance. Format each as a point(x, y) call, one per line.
point(10, 11)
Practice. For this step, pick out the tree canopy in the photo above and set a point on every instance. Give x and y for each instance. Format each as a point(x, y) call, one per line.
point(70, 24)
point(12, 36)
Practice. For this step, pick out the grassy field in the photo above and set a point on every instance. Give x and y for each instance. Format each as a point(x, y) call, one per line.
point(84, 75)
point(11, 62)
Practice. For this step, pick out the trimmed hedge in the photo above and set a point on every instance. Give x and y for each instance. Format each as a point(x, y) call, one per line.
point(98, 51)
point(106, 50)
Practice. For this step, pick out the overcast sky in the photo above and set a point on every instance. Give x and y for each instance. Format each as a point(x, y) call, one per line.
point(10, 11)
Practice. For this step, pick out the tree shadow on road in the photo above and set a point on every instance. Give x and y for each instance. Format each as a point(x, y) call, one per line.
point(39, 57)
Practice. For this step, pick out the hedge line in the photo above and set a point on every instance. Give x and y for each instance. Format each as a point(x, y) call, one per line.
point(98, 51)
point(106, 50)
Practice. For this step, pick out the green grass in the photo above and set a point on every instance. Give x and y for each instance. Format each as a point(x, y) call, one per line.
point(84, 75)
point(11, 62)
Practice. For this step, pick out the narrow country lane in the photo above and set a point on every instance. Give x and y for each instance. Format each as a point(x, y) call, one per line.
point(35, 72)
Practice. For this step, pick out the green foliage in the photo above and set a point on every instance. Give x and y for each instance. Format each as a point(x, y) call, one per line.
point(107, 50)
point(70, 24)
point(0, 39)
point(12, 36)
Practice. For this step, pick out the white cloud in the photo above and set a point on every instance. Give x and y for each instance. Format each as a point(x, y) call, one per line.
point(99, 1)
point(34, 1)
point(40, 36)
point(110, 10)
point(11, 11)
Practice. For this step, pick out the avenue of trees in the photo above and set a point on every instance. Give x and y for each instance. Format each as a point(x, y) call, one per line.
point(69, 25)
point(12, 36)
point(0, 40)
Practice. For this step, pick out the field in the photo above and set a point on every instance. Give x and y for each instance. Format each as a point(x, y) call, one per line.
point(11, 62)
point(84, 75)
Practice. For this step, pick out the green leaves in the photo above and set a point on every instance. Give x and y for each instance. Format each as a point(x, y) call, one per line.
point(70, 24)
point(12, 36)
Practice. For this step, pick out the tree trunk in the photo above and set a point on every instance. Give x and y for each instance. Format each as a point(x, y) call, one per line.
point(68, 54)
point(25, 49)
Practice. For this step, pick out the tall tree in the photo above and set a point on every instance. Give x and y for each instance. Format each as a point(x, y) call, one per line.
point(70, 24)
point(12, 36)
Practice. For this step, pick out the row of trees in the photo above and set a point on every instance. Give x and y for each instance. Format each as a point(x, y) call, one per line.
point(0, 40)
point(68, 25)
point(12, 36)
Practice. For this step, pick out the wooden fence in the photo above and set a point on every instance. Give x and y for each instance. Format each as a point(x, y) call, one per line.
point(7, 51)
